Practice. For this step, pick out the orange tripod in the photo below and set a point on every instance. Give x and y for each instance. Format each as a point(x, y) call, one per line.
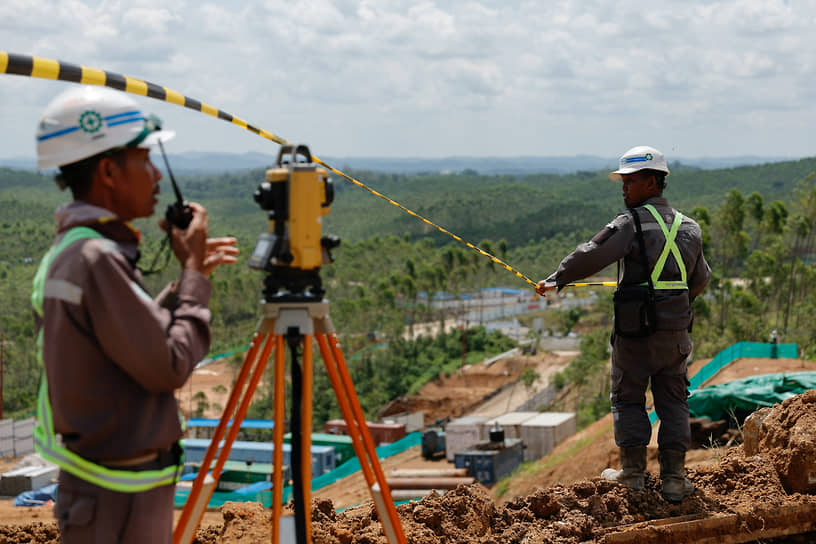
point(296, 323)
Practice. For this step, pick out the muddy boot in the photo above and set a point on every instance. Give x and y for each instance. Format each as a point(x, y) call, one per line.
point(676, 486)
point(633, 461)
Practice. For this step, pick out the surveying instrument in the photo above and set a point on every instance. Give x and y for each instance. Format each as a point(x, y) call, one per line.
point(296, 194)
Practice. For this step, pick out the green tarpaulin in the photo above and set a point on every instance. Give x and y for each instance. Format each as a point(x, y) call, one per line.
point(737, 399)
point(731, 354)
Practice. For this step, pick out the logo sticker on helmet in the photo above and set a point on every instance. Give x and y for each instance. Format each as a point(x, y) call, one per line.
point(649, 156)
point(90, 121)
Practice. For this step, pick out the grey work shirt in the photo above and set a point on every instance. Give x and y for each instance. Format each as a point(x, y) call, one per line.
point(618, 241)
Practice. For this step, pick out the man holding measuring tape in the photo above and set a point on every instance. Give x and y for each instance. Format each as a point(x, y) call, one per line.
point(113, 356)
point(664, 270)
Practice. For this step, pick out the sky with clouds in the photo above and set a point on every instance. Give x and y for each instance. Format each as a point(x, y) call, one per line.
point(438, 78)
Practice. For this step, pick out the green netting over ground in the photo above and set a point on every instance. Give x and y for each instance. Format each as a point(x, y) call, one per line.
point(731, 354)
point(265, 496)
point(737, 399)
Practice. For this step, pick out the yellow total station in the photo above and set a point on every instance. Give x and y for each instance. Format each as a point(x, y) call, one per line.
point(307, 185)
point(297, 194)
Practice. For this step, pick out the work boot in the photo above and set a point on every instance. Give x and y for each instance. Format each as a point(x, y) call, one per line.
point(676, 486)
point(633, 461)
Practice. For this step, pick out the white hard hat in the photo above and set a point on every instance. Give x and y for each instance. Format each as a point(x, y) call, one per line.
point(640, 158)
point(84, 121)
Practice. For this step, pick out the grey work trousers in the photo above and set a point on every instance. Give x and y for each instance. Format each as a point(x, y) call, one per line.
point(661, 359)
point(89, 514)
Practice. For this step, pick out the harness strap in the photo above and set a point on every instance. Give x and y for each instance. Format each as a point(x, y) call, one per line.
point(670, 246)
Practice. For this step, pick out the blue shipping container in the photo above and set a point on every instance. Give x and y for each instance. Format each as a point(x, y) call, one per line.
point(323, 457)
point(488, 466)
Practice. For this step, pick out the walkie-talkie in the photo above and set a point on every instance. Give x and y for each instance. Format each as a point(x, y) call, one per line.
point(179, 213)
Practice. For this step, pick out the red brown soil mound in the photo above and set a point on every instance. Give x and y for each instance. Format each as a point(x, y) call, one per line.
point(582, 512)
point(33, 532)
point(786, 436)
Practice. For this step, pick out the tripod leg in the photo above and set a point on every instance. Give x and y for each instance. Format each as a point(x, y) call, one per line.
point(393, 529)
point(306, 434)
point(254, 364)
point(301, 430)
point(360, 436)
point(345, 409)
point(277, 434)
point(193, 498)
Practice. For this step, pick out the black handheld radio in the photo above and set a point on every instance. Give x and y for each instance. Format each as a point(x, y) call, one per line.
point(179, 213)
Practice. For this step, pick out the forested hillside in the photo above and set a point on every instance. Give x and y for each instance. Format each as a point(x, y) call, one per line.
point(518, 209)
point(758, 222)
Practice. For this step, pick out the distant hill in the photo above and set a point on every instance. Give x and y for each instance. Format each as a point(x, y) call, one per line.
point(521, 209)
point(192, 162)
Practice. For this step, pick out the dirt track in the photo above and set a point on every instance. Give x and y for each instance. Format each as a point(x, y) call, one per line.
point(482, 390)
point(454, 395)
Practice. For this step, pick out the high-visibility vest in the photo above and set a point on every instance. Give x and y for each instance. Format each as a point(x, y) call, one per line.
point(669, 247)
point(45, 440)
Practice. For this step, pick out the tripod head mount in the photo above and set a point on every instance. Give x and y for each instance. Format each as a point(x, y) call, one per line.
point(296, 193)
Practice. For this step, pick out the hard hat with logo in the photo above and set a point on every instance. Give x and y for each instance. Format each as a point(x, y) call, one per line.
point(640, 158)
point(84, 121)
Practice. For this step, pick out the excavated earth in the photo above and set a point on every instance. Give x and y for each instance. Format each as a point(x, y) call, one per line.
point(582, 512)
point(592, 510)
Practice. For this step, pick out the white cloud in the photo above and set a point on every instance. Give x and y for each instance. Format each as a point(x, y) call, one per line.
point(436, 77)
point(148, 19)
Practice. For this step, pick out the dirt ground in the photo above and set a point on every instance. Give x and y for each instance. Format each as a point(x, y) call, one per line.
point(590, 510)
point(215, 382)
point(751, 367)
point(548, 501)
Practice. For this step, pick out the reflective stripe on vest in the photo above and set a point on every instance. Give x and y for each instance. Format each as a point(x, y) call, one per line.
point(669, 247)
point(38, 292)
point(45, 440)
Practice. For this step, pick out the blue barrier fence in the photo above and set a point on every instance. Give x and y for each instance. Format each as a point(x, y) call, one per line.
point(731, 354)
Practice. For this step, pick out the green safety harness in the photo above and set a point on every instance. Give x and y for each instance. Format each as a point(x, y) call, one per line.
point(45, 440)
point(669, 247)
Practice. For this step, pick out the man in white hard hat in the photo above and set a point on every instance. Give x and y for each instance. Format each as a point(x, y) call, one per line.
point(663, 271)
point(113, 356)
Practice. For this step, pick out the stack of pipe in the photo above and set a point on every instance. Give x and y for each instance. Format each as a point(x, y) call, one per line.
point(409, 484)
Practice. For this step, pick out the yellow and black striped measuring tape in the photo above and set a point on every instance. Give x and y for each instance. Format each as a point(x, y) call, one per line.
point(39, 67)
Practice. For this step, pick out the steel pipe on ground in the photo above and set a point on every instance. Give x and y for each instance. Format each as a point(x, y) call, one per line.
point(428, 483)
